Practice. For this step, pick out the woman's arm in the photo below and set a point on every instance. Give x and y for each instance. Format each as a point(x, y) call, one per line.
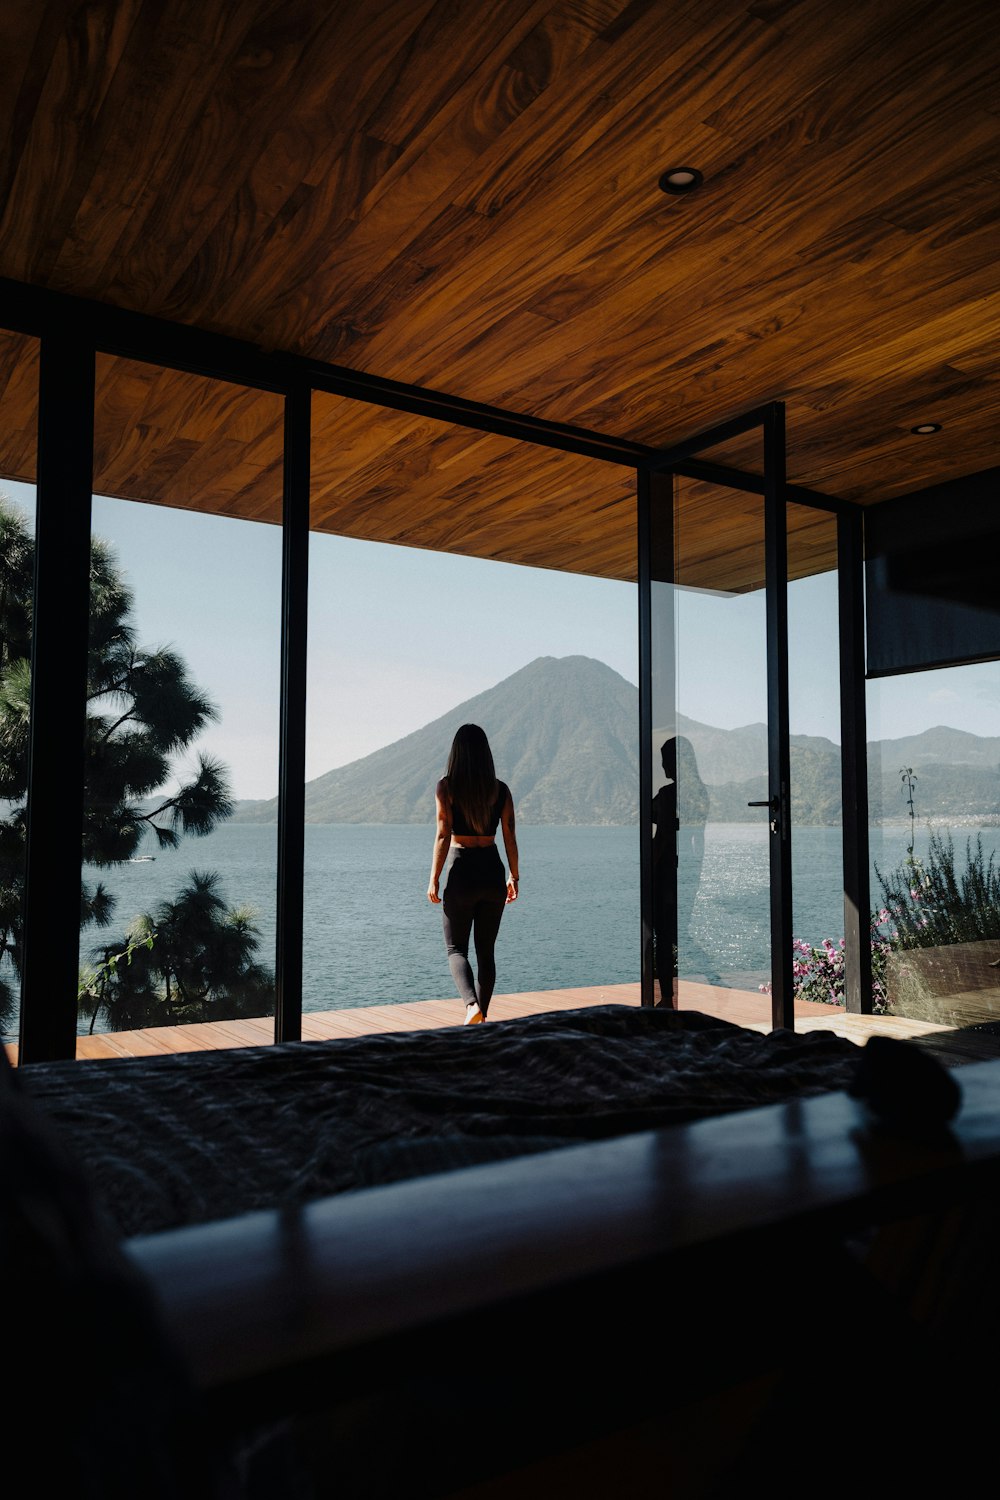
point(510, 844)
point(442, 839)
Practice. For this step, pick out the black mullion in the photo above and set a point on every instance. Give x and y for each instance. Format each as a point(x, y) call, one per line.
point(458, 411)
point(854, 765)
point(59, 648)
point(779, 772)
point(644, 537)
point(292, 758)
point(667, 458)
point(753, 484)
point(92, 324)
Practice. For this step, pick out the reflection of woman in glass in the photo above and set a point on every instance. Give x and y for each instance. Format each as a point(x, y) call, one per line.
point(471, 802)
point(680, 811)
point(692, 815)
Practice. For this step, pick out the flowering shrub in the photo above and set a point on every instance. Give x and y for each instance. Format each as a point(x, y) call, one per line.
point(934, 902)
point(928, 903)
point(818, 972)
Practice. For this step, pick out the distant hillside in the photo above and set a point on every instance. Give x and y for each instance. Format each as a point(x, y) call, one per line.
point(815, 788)
point(962, 789)
point(941, 746)
point(564, 734)
point(941, 791)
point(726, 754)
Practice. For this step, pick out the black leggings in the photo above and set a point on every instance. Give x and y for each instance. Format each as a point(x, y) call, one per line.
point(474, 898)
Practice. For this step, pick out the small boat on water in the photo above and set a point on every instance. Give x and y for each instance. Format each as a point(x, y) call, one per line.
point(142, 859)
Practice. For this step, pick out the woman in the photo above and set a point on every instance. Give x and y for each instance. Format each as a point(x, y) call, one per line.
point(470, 804)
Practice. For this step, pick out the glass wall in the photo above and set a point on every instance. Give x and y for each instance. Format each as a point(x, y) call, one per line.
point(934, 798)
point(815, 756)
point(662, 825)
point(406, 643)
point(723, 871)
point(711, 810)
point(18, 439)
point(180, 850)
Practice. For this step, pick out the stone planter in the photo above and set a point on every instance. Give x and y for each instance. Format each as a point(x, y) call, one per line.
point(955, 986)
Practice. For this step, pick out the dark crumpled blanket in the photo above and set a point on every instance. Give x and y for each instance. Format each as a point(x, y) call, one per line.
point(191, 1137)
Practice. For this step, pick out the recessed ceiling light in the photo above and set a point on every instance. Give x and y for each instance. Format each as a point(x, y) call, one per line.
point(681, 180)
point(924, 427)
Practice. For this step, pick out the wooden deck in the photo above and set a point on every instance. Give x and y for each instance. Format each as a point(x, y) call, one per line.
point(742, 1007)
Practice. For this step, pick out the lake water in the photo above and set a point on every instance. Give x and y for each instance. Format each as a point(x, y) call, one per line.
point(372, 937)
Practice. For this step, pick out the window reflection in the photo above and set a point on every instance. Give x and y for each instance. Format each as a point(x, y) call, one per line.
point(934, 795)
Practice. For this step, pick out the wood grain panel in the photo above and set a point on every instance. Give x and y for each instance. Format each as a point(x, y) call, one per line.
point(719, 538)
point(183, 440)
point(391, 477)
point(465, 196)
point(18, 407)
point(353, 233)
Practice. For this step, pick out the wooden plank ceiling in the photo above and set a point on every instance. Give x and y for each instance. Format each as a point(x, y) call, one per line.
point(465, 197)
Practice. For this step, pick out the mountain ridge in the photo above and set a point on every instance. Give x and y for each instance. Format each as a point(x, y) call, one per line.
point(561, 730)
point(563, 733)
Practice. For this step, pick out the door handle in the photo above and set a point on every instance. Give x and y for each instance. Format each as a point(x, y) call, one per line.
point(774, 804)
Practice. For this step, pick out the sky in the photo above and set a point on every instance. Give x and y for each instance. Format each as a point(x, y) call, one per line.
point(398, 636)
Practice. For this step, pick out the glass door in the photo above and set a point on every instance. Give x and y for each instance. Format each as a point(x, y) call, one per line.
point(714, 685)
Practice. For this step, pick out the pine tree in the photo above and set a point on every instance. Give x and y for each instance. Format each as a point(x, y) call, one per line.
point(142, 711)
point(190, 960)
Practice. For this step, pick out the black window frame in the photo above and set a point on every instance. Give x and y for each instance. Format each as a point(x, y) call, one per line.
point(72, 332)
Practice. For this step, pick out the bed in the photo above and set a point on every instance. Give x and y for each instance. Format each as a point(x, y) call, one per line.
point(426, 1262)
point(190, 1137)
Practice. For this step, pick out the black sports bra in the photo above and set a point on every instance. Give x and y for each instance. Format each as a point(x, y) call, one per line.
point(461, 827)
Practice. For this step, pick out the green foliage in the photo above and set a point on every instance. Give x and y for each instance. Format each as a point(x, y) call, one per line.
point(192, 960)
point(933, 904)
point(819, 973)
point(93, 982)
point(142, 710)
point(17, 573)
point(908, 782)
point(926, 903)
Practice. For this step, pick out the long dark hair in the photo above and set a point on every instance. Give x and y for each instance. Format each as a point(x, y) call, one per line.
point(472, 779)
